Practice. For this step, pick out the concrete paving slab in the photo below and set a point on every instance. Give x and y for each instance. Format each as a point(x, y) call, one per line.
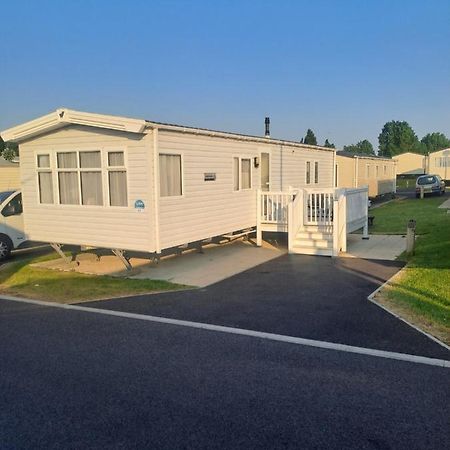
point(378, 246)
point(216, 263)
point(446, 204)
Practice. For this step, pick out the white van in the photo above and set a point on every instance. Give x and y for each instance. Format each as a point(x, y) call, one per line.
point(12, 233)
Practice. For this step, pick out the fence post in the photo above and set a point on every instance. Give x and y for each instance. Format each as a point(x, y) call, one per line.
point(335, 227)
point(343, 244)
point(410, 236)
point(366, 221)
point(290, 227)
point(258, 219)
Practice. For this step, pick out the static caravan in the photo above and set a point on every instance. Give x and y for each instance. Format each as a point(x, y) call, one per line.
point(410, 163)
point(128, 184)
point(9, 175)
point(353, 171)
point(439, 164)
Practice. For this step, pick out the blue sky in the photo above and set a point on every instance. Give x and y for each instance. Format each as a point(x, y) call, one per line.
point(342, 68)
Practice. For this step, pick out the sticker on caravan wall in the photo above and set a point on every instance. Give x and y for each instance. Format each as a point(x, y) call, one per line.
point(139, 205)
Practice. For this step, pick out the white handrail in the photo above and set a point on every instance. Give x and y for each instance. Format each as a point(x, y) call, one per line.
point(295, 217)
point(273, 206)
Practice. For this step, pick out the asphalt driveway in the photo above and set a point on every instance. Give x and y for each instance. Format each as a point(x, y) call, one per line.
point(77, 379)
point(296, 295)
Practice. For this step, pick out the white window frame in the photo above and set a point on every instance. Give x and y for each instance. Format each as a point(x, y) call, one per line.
point(44, 170)
point(172, 153)
point(107, 168)
point(241, 158)
point(104, 169)
point(308, 182)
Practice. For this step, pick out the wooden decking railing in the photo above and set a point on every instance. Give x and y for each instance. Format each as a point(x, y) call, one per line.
point(340, 211)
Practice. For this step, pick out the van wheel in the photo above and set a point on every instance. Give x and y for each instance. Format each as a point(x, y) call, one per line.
point(5, 248)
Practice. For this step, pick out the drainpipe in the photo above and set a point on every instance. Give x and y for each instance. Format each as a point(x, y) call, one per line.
point(156, 187)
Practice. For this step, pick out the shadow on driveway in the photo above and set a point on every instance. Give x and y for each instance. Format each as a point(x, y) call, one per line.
point(296, 295)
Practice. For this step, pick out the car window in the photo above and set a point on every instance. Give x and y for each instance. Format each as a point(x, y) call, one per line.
point(13, 207)
point(4, 195)
point(426, 180)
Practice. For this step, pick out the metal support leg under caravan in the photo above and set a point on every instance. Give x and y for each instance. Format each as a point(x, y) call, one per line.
point(121, 255)
point(57, 248)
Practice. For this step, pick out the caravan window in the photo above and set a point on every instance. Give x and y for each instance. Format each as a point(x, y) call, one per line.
point(236, 178)
point(45, 179)
point(246, 173)
point(117, 179)
point(91, 178)
point(82, 177)
point(242, 173)
point(308, 172)
point(68, 180)
point(170, 181)
point(316, 172)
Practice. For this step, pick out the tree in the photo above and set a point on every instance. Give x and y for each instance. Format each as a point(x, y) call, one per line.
point(364, 147)
point(9, 150)
point(328, 144)
point(435, 141)
point(398, 137)
point(310, 138)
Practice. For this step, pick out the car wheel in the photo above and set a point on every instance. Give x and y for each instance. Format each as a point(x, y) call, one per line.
point(5, 248)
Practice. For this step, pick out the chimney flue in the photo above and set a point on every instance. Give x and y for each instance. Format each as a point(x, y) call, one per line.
point(267, 124)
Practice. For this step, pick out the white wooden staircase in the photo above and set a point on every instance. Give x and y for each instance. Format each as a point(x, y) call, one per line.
point(313, 240)
point(317, 220)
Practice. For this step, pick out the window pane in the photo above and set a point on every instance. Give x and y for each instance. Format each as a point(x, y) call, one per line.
point(170, 175)
point(308, 172)
point(67, 160)
point(68, 188)
point(246, 174)
point(316, 172)
point(45, 187)
point(118, 188)
point(90, 160)
point(116, 159)
point(43, 161)
point(236, 174)
point(91, 188)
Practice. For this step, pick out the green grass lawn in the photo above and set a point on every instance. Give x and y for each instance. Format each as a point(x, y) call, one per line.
point(423, 288)
point(20, 279)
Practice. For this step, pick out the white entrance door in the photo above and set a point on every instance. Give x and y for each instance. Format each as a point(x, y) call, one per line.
point(265, 171)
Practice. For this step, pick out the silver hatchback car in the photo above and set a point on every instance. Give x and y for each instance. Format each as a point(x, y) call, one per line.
point(431, 184)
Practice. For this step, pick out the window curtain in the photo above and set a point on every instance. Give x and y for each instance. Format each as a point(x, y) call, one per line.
point(116, 159)
point(45, 187)
point(91, 188)
point(170, 175)
point(246, 174)
point(118, 188)
point(68, 188)
point(90, 160)
point(236, 173)
point(67, 160)
point(43, 161)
